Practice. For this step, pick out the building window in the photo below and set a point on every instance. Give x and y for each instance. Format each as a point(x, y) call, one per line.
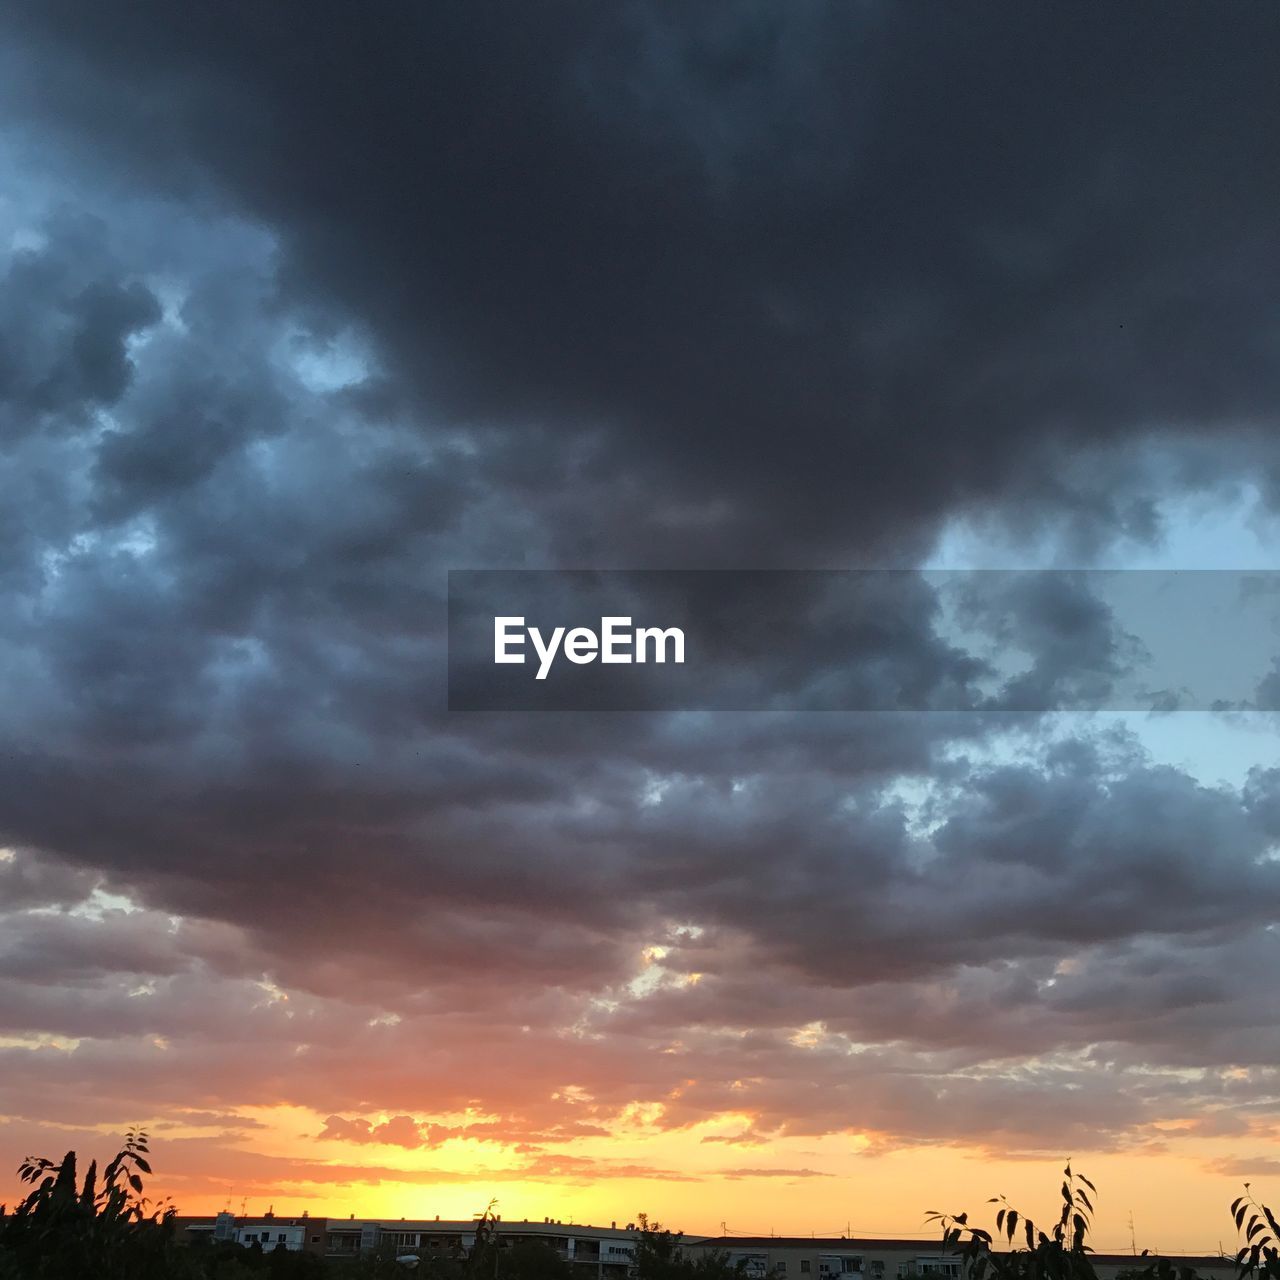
point(781, 1268)
point(805, 1266)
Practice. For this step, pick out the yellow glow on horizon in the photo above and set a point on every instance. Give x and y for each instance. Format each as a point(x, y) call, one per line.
point(693, 1179)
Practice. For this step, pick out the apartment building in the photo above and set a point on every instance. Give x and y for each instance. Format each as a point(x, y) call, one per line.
point(831, 1258)
point(840, 1258)
point(597, 1253)
point(606, 1253)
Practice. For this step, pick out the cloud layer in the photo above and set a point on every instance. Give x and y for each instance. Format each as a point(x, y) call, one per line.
point(304, 308)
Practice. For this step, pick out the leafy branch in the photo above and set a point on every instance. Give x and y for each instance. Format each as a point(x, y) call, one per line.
point(1059, 1254)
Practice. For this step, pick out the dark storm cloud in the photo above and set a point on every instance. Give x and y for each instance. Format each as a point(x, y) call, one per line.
point(823, 274)
point(74, 360)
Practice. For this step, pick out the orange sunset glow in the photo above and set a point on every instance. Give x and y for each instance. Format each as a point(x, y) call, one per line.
point(799, 1186)
point(590, 1116)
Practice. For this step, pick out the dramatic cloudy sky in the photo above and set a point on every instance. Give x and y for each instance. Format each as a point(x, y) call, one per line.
point(305, 305)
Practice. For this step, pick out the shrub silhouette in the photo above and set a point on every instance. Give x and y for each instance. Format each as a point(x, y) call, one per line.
point(1060, 1254)
point(102, 1228)
point(1063, 1252)
point(658, 1256)
point(1258, 1255)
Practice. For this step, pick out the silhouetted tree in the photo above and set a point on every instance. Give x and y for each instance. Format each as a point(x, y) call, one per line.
point(1060, 1254)
point(532, 1260)
point(103, 1228)
point(1258, 1256)
point(659, 1256)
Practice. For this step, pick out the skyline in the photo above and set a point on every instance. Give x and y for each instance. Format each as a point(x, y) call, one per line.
point(306, 306)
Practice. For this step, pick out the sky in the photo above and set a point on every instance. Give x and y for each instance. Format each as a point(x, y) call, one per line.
point(305, 305)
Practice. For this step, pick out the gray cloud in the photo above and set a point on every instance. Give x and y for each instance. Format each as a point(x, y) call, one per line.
point(682, 240)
